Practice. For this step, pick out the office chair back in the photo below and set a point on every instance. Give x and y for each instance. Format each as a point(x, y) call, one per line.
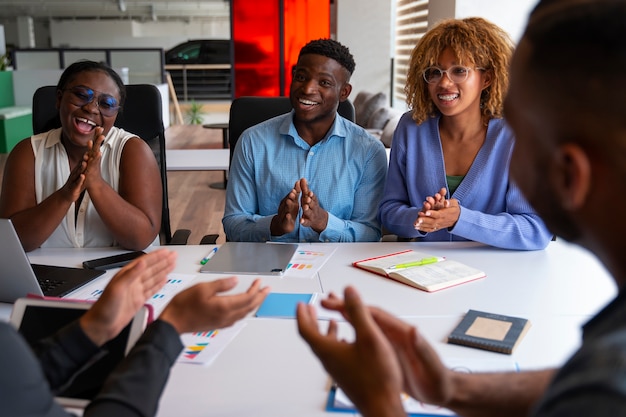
point(249, 111)
point(142, 115)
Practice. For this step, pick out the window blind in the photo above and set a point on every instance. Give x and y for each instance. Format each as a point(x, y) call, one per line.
point(411, 24)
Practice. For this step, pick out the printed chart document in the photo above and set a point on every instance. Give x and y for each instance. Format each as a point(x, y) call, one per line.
point(339, 401)
point(174, 284)
point(308, 260)
point(202, 348)
point(420, 270)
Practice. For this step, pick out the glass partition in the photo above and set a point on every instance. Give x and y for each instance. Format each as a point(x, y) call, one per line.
point(69, 57)
point(145, 65)
point(36, 59)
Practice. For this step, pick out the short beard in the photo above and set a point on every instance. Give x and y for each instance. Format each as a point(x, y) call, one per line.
point(558, 219)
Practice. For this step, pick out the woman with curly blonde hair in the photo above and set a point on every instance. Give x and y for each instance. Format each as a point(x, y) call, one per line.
point(454, 143)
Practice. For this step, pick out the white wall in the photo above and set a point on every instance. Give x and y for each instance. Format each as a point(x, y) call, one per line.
point(25, 32)
point(130, 34)
point(440, 9)
point(42, 34)
point(366, 30)
point(509, 15)
point(3, 46)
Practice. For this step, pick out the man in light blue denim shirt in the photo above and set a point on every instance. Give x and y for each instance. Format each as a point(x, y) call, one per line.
point(309, 175)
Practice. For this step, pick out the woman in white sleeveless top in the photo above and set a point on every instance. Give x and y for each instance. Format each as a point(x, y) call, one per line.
point(88, 183)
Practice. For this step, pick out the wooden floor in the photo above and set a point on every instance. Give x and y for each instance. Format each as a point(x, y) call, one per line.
point(194, 204)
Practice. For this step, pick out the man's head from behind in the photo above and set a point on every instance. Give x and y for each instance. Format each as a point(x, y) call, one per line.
point(568, 77)
point(321, 80)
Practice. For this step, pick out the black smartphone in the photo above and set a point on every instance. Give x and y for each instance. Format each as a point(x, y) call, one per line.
point(114, 261)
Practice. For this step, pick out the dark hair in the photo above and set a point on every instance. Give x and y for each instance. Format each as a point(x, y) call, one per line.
point(330, 49)
point(83, 66)
point(572, 44)
point(575, 41)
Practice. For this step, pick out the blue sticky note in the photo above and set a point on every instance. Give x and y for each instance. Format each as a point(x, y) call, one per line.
point(282, 304)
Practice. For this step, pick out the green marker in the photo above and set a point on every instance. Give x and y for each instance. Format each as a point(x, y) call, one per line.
point(424, 261)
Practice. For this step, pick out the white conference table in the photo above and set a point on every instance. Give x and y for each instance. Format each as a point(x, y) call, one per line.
point(268, 370)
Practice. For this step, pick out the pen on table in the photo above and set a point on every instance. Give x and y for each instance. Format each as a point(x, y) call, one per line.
point(208, 257)
point(424, 261)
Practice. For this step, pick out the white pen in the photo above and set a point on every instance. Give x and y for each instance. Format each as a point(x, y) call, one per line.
point(209, 256)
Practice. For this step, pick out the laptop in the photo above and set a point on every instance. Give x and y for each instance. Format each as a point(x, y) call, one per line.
point(18, 277)
point(255, 258)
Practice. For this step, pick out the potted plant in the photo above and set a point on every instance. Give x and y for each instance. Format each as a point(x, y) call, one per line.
point(6, 82)
point(5, 62)
point(195, 113)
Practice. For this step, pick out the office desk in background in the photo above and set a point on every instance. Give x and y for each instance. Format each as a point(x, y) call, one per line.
point(224, 128)
point(197, 159)
point(268, 370)
point(200, 160)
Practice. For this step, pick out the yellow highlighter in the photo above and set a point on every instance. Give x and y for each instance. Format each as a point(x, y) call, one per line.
point(423, 261)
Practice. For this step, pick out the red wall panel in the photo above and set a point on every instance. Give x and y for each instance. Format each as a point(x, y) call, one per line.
point(267, 36)
point(305, 20)
point(255, 29)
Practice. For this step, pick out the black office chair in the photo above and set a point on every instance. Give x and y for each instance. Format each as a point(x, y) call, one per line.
point(141, 115)
point(249, 111)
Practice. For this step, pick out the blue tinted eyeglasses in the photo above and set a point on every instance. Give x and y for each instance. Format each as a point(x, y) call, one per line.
point(81, 96)
point(456, 73)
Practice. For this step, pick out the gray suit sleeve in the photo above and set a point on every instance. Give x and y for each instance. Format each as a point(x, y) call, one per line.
point(135, 386)
point(24, 390)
